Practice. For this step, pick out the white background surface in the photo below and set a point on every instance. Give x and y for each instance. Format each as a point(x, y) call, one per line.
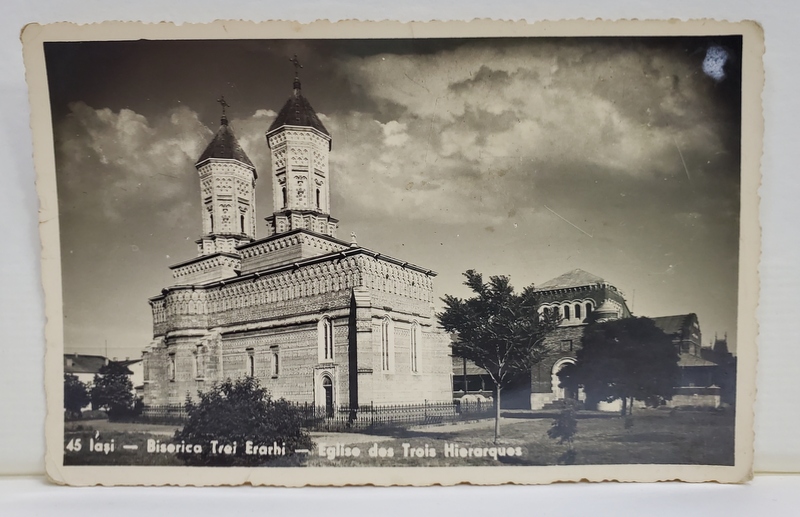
point(21, 306)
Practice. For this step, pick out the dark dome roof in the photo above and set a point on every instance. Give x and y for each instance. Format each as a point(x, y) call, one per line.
point(224, 145)
point(298, 112)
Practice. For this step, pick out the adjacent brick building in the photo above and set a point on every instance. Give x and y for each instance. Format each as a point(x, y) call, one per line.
point(579, 296)
point(576, 296)
point(316, 319)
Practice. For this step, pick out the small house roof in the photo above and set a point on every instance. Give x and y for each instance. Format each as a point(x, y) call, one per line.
point(689, 360)
point(83, 363)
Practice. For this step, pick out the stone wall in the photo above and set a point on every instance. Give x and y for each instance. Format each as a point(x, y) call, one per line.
point(210, 333)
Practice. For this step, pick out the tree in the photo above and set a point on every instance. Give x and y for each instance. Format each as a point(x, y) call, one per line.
point(498, 330)
point(112, 391)
point(237, 412)
point(76, 395)
point(627, 359)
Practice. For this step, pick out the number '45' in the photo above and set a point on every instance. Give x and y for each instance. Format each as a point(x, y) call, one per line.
point(74, 445)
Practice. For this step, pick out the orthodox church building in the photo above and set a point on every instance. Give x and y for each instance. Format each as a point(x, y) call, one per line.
point(314, 318)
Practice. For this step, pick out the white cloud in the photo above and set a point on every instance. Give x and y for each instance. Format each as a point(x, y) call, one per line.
point(487, 123)
point(473, 134)
point(128, 162)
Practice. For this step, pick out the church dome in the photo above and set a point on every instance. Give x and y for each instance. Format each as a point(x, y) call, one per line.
point(298, 112)
point(225, 146)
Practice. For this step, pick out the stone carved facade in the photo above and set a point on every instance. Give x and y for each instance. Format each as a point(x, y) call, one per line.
point(315, 319)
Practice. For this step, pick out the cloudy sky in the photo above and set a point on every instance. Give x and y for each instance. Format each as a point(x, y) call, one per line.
point(527, 157)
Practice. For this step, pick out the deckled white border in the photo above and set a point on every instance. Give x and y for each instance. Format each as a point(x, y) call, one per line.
point(752, 135)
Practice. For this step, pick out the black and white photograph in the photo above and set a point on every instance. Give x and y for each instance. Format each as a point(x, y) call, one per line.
point(345, 259)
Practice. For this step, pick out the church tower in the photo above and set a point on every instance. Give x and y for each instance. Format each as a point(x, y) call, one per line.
point(300, 174)
point(227, 190)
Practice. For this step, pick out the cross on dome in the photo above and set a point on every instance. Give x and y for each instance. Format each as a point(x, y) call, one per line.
point(222, 102)
point(297, 67)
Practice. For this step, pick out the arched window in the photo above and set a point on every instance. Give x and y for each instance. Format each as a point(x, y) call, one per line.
point(328, 340)
point(325, 339)
point(588, 309)
point(198, 362)
point(211, 219)
point(566, 312)
point(285, 199)
point(172, 367)
point(557, 312)
point(318, 196)
point(275, 362)
point(386, 344)
point(577, 311)
point(241, 221)
point(414, 346)
point(251, 363)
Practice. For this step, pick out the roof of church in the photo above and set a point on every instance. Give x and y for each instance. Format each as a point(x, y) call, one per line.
point(574, 278)
point(224, 145)
point(672, 325)
point(298, 112)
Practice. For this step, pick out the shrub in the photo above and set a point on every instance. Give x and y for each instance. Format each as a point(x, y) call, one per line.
point(235, 412)
point(94, 414)
point(563, 429)
point(628, 422)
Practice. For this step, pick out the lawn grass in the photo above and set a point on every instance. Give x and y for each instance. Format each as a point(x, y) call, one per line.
point(656, 437)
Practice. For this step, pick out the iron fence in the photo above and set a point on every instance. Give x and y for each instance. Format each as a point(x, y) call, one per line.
point(343, 418)
point(164, 414)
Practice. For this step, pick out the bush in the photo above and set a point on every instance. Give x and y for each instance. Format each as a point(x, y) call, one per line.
point(563, 429)
point(94, 414)
point(235, 412)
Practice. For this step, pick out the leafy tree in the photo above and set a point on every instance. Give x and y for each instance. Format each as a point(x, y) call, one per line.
point(76, 395)
point(498, 330)
point(627, 359)
point(112, 391)
point(235, 412)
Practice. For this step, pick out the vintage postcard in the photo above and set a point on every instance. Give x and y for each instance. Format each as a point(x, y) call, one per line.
point(398, 254)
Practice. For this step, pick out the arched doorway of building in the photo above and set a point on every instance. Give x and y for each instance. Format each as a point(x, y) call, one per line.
point(560, 393)
point(327, 389)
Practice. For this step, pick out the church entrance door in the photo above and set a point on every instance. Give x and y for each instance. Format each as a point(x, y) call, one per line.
point(327, 385)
